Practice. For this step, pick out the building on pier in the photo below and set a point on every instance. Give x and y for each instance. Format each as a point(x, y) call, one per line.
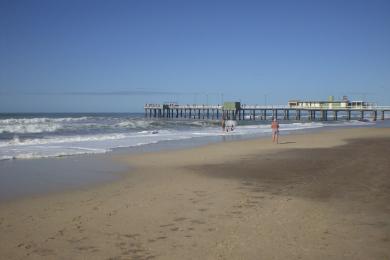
point(345, 103)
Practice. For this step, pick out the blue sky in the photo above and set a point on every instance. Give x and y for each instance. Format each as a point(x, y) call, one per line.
point(114, 56)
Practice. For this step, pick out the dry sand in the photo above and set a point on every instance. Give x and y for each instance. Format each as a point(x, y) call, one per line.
point(314, 196)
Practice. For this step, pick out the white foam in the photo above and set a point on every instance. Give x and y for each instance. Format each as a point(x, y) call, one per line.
point(134, 124)
point(61, 139)
point(38, 120)
point(51, 152)
point(354, 123)
point(51, 125)
point(5, 157)
point(35, 125)
point(29, 128)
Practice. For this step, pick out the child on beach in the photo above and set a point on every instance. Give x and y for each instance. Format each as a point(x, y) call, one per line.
point(275, 131)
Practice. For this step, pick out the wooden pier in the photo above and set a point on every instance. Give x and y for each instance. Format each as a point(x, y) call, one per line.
point(257, 112)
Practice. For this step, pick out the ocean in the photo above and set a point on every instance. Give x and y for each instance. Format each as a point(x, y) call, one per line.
point(27, 136)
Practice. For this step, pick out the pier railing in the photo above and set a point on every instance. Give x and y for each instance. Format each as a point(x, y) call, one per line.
point(244, 106)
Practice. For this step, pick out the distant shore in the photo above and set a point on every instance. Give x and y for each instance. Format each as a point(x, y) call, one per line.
point(315, 195)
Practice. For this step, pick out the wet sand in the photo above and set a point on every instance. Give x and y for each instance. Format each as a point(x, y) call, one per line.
point(48, 175)
point(314, 196)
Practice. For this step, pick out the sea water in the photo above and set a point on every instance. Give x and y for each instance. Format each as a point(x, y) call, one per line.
point(26, 136)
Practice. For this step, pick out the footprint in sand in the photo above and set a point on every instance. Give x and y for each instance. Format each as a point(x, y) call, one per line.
point(112, 213)
point(245, 183)
point(160, 238)
point(179, 219)
point(257, 197)
point(61, 232)
point(199, 222)
point(86, 248)
point(200, 193)
point(76, 218)
point(131, 235)
point(194, 200)
point(167, 225)
point(44, 252)
point(50, 238)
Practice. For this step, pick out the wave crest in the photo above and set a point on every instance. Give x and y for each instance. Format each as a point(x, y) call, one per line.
point(35, 125)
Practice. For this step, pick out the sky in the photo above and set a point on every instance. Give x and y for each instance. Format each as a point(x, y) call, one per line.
point(115, 56)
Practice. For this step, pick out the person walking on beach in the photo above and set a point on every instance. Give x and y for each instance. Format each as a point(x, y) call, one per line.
point(223, 123)
point(275, 131)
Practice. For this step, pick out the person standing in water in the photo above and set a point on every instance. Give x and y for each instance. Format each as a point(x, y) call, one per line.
point(275, 131)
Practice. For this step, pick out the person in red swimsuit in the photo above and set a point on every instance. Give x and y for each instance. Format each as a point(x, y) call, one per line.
point(275, 131)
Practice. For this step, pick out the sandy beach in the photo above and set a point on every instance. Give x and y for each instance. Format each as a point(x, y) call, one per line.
point(321, 195)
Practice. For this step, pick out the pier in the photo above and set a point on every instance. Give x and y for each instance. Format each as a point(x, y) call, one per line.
point(237, 111)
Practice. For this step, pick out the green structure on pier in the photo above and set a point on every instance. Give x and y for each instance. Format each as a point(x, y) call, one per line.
point(231, 106)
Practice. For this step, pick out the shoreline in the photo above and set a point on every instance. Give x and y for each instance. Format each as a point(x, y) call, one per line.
point(214, 135)
point(246, 198)
point(98, 169)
